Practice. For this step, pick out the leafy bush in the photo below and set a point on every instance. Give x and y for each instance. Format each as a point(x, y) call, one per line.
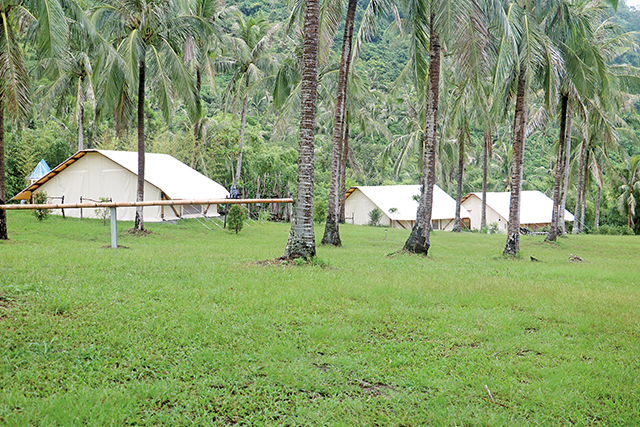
point(320, 211)
point(41, 199)
point(103, 213)
point(235, 218)
point(491, 228)
point(374, 217)
point(264, 215)
point(616, 230)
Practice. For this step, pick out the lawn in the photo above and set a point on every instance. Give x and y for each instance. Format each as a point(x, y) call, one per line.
point(184, 327)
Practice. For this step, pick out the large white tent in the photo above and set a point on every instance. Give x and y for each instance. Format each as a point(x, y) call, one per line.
point(399, 206)
point(90, 175)
point(536, 209)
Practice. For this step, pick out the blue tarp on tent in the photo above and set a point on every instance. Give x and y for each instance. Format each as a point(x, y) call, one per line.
point(41, 170)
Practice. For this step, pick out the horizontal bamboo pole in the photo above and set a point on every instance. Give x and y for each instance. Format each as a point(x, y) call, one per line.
point(147, 203)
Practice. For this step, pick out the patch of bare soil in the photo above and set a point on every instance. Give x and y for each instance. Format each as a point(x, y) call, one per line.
point(136, 232)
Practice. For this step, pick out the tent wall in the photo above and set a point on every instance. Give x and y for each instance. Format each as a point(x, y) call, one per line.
point(95, 176)
point(357, 208)
point(474, 205)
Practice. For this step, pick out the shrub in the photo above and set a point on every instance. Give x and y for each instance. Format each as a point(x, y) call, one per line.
point(103, 213)
point(616, 230)
point(41, 199)
point(235, 218)
point(264, 215)
point(320, 211)
point(491, 228)
point(374, 217)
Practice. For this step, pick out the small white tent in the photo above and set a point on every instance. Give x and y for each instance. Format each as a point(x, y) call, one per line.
point(399, 206)
point(90, 175)
point(536, 209)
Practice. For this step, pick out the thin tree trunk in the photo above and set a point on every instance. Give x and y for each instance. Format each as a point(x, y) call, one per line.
point(457, 227)
point(553, 230)
point(196, 127)
point(565, 180)
point(243, 123)
point(584, 191)
point(512, 246)
point(485, 172)
point(331, 228)
point(139, 219)
point(343, 169)
point(596, 221)
point(3, 190)
point(301, 242)
point(81, 118)
point(581, 177)
point(418, 241)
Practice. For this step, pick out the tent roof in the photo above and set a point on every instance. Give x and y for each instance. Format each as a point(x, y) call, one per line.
point(400, 197)
point(535, 206)
point(171, 176)
point(41, 169)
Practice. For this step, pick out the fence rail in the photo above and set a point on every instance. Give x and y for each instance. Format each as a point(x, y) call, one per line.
point(145, 203)
point(114, 205)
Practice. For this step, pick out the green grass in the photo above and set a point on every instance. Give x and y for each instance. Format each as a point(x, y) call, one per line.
point(184, 328)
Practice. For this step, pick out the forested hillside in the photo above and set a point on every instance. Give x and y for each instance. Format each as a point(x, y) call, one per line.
point(248, 66)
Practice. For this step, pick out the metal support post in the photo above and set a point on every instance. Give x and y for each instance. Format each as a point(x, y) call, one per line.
point(114, 228)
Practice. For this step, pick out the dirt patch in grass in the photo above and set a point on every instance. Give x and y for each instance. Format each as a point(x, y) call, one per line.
point(135, 232)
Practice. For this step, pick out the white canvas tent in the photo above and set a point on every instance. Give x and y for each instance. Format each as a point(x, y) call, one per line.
point(536, 209)
point(95, 174)
point(399, 207)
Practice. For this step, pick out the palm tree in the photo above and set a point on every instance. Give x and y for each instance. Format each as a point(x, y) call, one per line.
point(374, 9)
point(252, 63)
point(72, 76)
point(534, 56)
point(301, 242)
point(629, 188)
point(331, 230)
point(50, 36)
point(200, 52)
point(147, 36)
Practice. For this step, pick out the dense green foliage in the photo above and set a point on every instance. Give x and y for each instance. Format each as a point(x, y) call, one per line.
point(95, 336)
point(236, 217)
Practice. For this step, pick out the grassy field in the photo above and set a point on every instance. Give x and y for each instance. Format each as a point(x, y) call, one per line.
point(185, 328)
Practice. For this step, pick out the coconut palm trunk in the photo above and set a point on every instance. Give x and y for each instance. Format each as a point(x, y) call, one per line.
point(553, 229)
point(512, 246)
point(301, 242)
point(81, 99)
point(562, 229)
point(486, 153)
point(243, 124)
point(3, 191)
point(584, 192)
point(139, 219)
point(343, 169)
point(457, 227)
point(581, 177)
point(596, 220)
point(418, 241)
point(331, 229)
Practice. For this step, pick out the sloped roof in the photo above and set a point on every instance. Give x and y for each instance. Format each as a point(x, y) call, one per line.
point(535, 206)
point(401, 197)
point(171, 176)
